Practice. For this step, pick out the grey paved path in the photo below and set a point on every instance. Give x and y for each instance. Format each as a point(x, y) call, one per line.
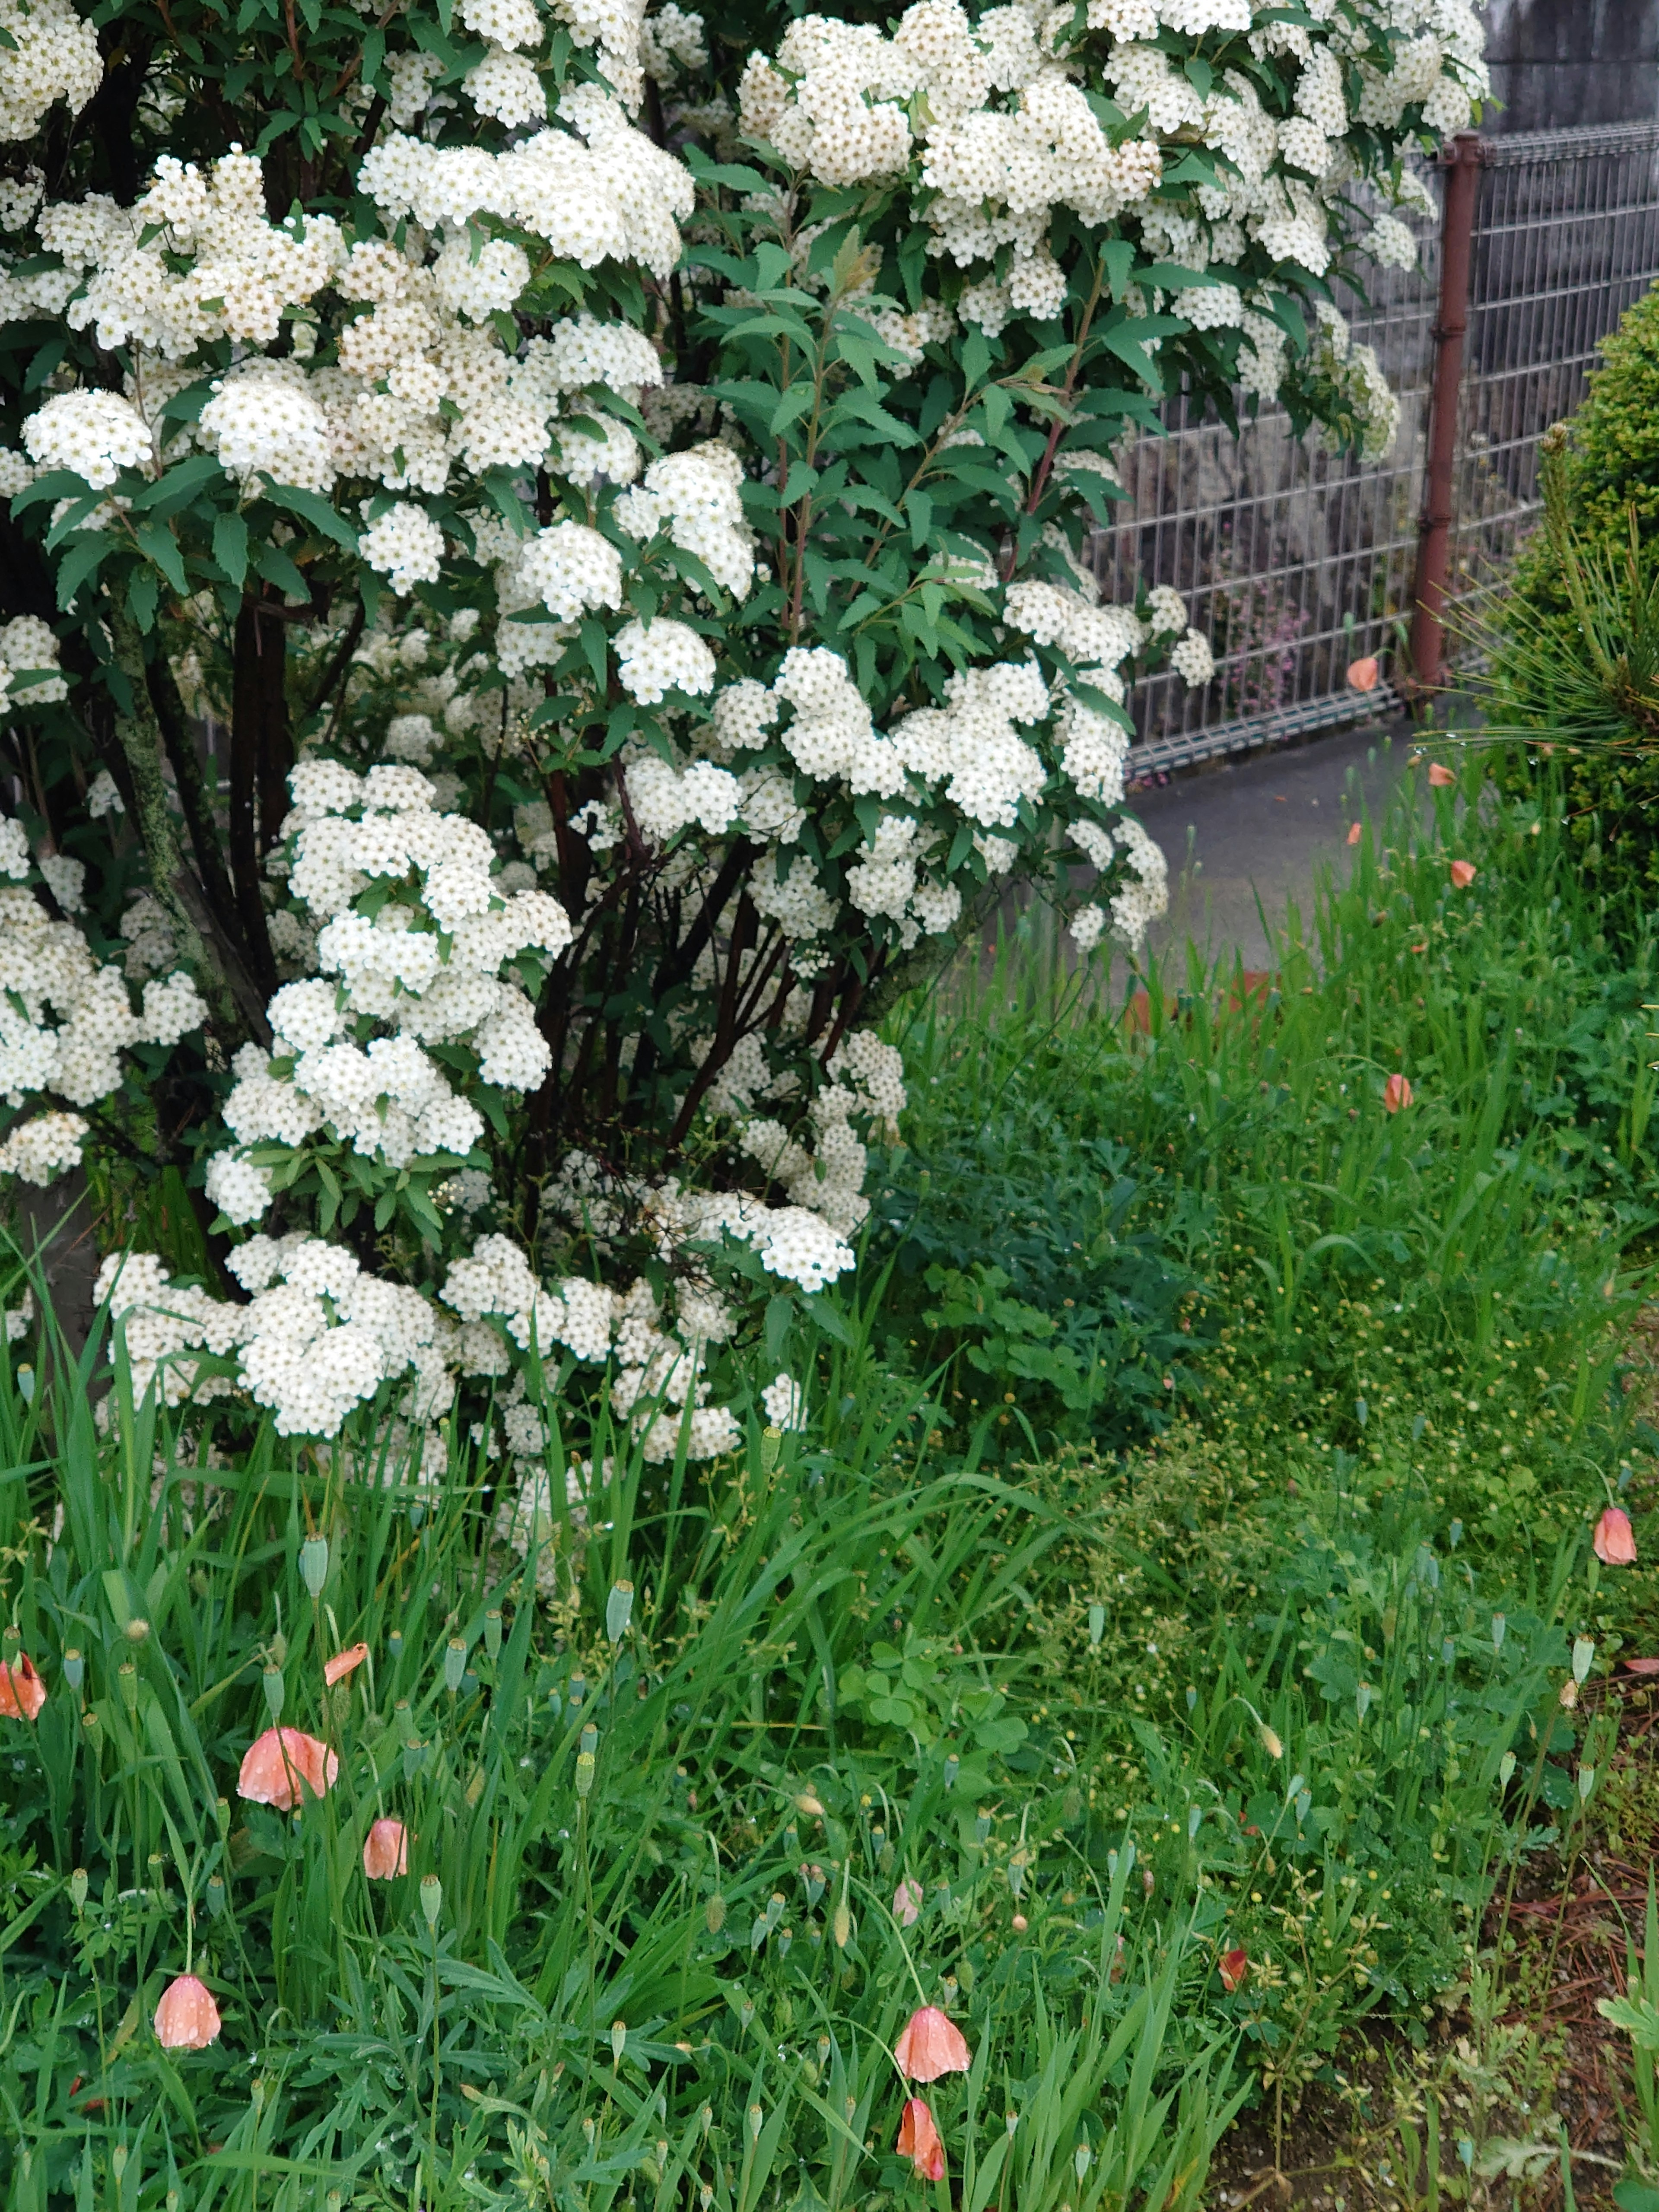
point(1260, 829)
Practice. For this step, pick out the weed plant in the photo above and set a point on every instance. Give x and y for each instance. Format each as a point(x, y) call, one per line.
point(1100, 1229)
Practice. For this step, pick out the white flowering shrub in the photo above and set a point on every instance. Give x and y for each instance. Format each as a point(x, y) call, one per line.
point(539, 600)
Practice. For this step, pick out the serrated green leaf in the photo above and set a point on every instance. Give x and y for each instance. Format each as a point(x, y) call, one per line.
point(230, 548)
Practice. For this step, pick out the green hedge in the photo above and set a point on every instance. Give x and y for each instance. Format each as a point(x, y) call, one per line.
point(1611, 466)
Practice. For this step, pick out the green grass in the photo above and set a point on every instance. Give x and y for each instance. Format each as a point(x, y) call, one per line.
point(1133, 1629)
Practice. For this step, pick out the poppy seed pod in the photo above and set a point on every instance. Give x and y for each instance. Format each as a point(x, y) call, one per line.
point(618, 1611)
point(313, 1563)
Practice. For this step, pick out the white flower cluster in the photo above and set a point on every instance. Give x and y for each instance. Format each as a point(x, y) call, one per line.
point(602, 191)
point(316, 1339)
point(991, 119)
point(422, 383)
point(95, 434)
point(49, 54)
point(671, 40)
point(28, 650)
point(65, 1019)
point(37, 1150)
point(696, 497)
point(423, 968)
point(406, 545)
point(1365, 396)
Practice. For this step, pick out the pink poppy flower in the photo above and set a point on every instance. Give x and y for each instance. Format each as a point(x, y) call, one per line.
point(1362, 674)
point(931, 2044)
point(1396, 1093)
point(279, 1762)
point(1440, 776)
point(22, 1692)
point(186, 2019)
point(907, 1902)
point(1462, 873)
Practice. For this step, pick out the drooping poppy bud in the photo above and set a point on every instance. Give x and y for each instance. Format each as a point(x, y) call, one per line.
point(919, 2140)
point(186, 2019)
point(385, 1851)
point(931, 2044)
point(1615, 1538)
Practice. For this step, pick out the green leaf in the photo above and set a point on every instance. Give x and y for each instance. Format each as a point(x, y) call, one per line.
point(1119, 256)
point(177, 487)
point(86, 552)
point(274, 565)
point(162, 548)
point(311, 508)
point(230, 548)
point(142, 593)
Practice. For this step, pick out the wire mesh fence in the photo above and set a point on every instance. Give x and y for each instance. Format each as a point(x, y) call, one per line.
point(1296, 563)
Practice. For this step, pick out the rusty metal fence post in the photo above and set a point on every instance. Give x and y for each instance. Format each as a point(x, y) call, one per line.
point(1463, 161)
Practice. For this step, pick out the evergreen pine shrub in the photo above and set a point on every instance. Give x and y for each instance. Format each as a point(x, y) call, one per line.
point(1609, 473)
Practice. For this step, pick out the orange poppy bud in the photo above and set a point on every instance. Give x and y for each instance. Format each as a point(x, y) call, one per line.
point(1396, 1093)
point(1355, 833)
point(918, 2140)
point(1235, 1967)
point(1362, 674)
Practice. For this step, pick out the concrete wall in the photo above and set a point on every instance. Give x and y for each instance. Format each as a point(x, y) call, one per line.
point(1559, 62)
